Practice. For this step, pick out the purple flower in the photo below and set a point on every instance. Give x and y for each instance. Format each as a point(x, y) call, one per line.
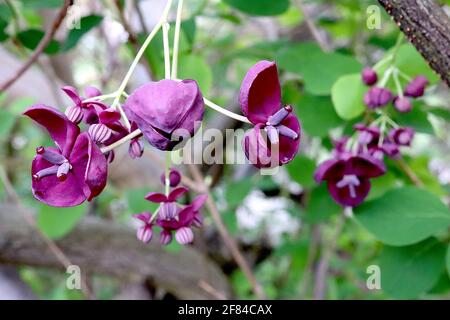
point(187, 218)
point(87, 111)
point(368, 136)
point(390, 149)
point(369, 76)
point(348, 177)
point(71, 173)
point(402, 104)
point(416, 88)
point(174, 178)
point(160, 108)
point(275, 125)
point(136, 149)
point(145, 232)
point(377, 97)
point(402, 136)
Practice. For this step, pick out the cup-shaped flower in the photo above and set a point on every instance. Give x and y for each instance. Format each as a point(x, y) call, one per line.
point(402, 136)
point(348, 177)
point(275, 139)
point(74, 171)
point(166, 111)
point(416, 88)
point(377, 97)
point(145, 232)
point(80, 110)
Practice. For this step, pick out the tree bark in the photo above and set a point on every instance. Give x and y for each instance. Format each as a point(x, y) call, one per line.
point(427, 27)
point(102, 247)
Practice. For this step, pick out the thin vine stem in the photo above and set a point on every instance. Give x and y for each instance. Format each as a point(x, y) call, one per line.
point(176, 40)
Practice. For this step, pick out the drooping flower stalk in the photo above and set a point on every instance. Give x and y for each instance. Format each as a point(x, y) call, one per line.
point(176, 40)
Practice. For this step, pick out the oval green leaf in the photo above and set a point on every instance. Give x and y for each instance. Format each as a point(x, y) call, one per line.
point(347, 95)
point(260, 7)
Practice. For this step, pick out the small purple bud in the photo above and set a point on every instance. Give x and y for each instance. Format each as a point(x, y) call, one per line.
point(184, 235)
point(136, 149)
point(377, 97)
point(416, 88)
point(74, 114)
point(165, 237)
point(99, 132)
point(369, 76)
point(402, 104)
point(174, 178)
point(144, 233)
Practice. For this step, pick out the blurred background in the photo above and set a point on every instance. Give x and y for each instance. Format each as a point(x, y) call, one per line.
point(286, 227)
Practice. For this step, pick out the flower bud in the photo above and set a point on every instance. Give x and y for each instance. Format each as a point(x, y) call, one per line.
point(174, 178)
point(402, 136)
point(416, 88)
point(144, 233)
point(136, 149)
point(402, 104)
point(165, 237)
point(377, 97)
point(369, 76)
point(184, 235)
point(99, 132)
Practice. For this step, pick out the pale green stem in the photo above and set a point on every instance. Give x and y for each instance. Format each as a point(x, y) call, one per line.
point(226, 112)
point(386, 77)
point(167, 173)
point(101, 98)
point(127, 138)
point(165, 28)
point(138, 57)
point(176, 40)
point(397, 83)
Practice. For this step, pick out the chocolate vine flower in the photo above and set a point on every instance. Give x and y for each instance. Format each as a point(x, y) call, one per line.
point(145, 232)
point(369, 76)
point(402, 136)
point(275, 139)
point(348, 177)
point(403, 104)
point(73, 172)
point(166, 111)
point(174, 178)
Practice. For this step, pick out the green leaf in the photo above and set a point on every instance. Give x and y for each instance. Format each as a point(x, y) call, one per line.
point(195, 67)
point(416, 118)
point(321, 206)
point(3, 25)
point(260, 7)
point(57, 222)
point(317, 115)
point(447, 261)
point(237, 191)
point(412, 63)
point(301, 170)
point(441, 113)
point(137, 202)
point(189, 29)
point(403, 216)
point(87, 23)
point(319, 69)
point(348, 96)
point(408, 272)
point(41, 4)
point(30, 39)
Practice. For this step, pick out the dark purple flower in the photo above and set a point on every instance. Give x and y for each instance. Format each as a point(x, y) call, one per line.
point(369, 76)
point(187, 218)
point(174, 178)
point(276, 127)
point(367, 135)
point(402, 104)
point(390, 149)
point(71, 173)
point(145, 232)
point(416, 88)
point(166, 111)
point(402, 136)
point(348, 177)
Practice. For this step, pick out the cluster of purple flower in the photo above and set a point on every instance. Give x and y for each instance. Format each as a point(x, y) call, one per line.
point(359, 158)
point(165, 113)
point(171, 217)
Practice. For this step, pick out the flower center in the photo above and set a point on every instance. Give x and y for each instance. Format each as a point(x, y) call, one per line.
point(61, 165)
point(403, 138)
point(274, 127)
point(349, 181)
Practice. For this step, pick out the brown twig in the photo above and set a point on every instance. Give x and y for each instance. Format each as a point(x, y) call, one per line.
point(40, 48)
point(409, 172)
point(57, 252)
point(313, 29)
point(324, 262)
point(228, 239)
